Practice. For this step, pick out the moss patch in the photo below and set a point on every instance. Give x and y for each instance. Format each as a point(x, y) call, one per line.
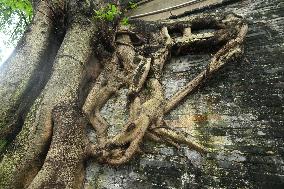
point(3, 143)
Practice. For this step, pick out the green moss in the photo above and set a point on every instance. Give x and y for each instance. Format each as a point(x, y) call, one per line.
point(3, 143)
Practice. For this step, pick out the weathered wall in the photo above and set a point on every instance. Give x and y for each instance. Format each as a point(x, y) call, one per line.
point(238, 114)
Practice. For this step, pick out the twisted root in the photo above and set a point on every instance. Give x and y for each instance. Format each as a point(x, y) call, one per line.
point(146, 112)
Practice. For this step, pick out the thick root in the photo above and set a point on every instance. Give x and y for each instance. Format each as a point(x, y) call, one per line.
point(26, 154)
point(175, 138)
point(20, 81)
point(64, 164)
point(232, 49)
point(146, 119)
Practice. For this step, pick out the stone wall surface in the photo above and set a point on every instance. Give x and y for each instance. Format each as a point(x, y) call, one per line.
point(238, 114)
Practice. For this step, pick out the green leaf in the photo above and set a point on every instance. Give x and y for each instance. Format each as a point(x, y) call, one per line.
point(132, 5)
point(15, 15)
point(108, 13)
point(113, 8)
point(125, 21)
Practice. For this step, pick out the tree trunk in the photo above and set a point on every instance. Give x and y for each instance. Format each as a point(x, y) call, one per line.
point(67, 67)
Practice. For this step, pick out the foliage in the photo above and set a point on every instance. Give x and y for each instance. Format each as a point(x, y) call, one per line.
point(111, 11)
point(132, 5)
point(125, 21)
point(107, 13)
point(15, 15)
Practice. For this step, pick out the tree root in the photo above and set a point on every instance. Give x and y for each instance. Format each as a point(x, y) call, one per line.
point(26, 154)
point(146, 118)
point(64, 164)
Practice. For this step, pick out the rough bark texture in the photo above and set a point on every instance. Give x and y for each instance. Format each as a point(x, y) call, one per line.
point(149, 81)
point(64, 163)
point(26, 72)
point(26, 154)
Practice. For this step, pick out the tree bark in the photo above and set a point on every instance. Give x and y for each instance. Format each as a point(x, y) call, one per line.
point(25, 73)
point(26, 154)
